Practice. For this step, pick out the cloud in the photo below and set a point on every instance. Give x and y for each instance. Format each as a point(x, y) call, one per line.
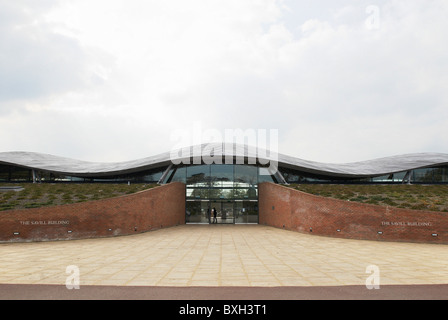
point(358, 92)
point(138, 70)
point(36, 60)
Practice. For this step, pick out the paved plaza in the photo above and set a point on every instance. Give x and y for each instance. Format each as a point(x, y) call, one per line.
point(223, 256)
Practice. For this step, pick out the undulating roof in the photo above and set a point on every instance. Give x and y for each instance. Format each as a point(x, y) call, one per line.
point(376, 167)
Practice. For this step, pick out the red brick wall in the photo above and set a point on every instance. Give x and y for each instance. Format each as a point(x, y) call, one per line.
point(284, 207)
point(163, 206)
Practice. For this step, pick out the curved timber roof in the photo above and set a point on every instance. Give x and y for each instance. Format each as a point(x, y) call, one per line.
point(370, 168)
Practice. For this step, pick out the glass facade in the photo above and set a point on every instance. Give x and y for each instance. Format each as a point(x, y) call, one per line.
point(437, 175)
point(10, 173)
point(231, 190)
point(430, 175)
point(16, 174)
point(224, 181)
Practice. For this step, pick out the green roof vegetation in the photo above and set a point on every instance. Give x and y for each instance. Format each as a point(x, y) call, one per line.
point(416, 197)
point(36, 195)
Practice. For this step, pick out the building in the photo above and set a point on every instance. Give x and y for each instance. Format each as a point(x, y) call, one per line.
point(228, 180)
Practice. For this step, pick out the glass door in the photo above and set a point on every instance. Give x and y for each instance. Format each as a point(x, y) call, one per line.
point(197, 211)
point(224, 212)
point(246, 211)
point(227, 212)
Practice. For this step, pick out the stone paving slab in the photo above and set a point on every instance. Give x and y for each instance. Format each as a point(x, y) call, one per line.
point(223, 256)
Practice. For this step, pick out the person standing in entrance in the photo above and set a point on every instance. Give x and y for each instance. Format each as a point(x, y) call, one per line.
point(214, 215)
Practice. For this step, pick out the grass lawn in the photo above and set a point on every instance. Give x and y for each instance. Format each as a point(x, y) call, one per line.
point(36, 195)
point(417, 197)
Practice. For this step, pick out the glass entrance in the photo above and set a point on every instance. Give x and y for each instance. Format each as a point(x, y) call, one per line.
point(224, 211)
point(231, 189)
point(227, 211)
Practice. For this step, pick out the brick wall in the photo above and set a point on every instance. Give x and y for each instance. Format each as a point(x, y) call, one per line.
point(160, 207)
point(284, 207)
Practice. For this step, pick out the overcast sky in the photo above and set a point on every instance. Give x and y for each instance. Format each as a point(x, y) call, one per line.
point(111, 80)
